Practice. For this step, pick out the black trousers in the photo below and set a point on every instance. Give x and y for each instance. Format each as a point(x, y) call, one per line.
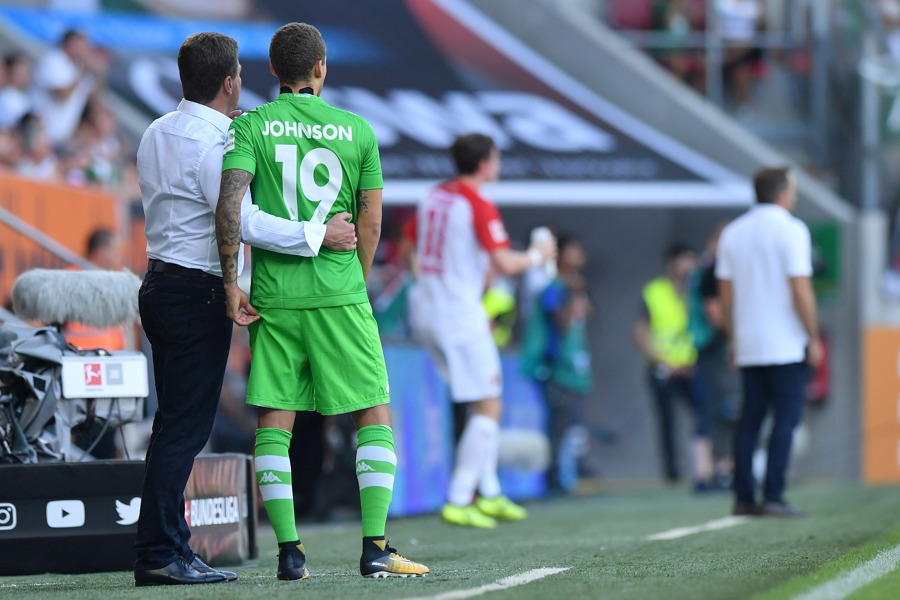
point(779, 389)
point(667, 390)
point(184, 318)
point(564, 409)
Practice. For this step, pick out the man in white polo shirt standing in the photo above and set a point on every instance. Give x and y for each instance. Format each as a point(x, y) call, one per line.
point(769, 310)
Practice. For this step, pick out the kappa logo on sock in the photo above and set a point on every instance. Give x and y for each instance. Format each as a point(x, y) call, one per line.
point(362, 467)
point(269, 477)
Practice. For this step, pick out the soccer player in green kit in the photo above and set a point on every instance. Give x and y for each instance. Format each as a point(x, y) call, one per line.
point(314, 341)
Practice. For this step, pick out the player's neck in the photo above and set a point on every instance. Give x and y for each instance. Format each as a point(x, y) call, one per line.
point(302, 87)
point(472, 181)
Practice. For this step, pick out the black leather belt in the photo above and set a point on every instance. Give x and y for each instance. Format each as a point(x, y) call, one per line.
point(158, 266)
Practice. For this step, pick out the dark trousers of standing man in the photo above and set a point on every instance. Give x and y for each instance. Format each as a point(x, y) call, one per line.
point(667, 390)
point(183, 315)
point(779, 388)
point(564, 410)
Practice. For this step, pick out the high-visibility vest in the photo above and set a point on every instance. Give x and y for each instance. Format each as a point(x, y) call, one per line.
point(500, 307)
point(669, 333)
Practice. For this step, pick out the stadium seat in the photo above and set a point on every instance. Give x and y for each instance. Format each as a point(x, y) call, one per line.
point(632, 14)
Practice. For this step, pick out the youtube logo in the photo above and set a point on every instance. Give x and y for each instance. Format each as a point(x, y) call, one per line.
point(62, 514)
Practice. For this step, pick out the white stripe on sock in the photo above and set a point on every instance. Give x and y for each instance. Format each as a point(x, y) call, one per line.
point(376, 453)
point(385, 480)
point(276, 491)
point(273, 463)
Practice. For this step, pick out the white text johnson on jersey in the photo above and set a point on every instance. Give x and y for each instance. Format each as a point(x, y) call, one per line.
point(313, 132)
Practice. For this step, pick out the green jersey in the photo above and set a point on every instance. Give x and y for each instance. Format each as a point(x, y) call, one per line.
point(308, 161)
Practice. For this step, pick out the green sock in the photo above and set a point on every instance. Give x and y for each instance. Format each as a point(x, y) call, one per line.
point(273, 474)
point(375, 468)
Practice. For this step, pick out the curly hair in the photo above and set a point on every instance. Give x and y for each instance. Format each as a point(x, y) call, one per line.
point(294, 50)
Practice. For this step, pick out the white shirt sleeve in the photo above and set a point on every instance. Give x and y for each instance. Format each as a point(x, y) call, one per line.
point(258, 228)
point(262, 230)
point(798, 252)
point(211, 175)
point(723, 259)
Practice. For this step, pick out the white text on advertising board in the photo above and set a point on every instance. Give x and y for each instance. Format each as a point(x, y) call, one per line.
point(201, 512)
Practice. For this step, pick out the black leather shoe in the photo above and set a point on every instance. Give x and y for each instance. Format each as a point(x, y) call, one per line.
point(176, 573)
point(780, 509)
point(202, 567)
point(746, 509)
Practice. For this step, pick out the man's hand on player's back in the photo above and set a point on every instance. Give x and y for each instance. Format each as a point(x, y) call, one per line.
point(340, 233)
point(238, 307)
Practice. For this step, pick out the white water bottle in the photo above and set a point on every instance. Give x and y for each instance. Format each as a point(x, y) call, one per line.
point(540, 235)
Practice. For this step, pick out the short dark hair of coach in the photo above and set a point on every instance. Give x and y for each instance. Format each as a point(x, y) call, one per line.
point(204, 61)
point(769, 185)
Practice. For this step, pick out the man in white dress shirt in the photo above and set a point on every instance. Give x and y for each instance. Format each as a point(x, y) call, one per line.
point(764, 269)
point(182, 299)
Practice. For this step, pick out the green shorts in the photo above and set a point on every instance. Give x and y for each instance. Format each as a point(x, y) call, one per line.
point(327, 360)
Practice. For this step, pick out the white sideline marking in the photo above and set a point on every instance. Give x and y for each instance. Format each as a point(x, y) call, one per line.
point(501, 584)
point(674, 534)
point(861, 576)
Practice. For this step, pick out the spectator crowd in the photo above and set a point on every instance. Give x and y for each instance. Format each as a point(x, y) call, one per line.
point(55, 121)
point(56, 126)
point(738, 24)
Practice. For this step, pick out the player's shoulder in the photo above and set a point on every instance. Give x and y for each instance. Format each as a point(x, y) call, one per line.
point(341, 111)
point(346, 115)
point(476, 199)
point(252, 116)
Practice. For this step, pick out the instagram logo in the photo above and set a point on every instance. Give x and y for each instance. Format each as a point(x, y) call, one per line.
point(7, 516)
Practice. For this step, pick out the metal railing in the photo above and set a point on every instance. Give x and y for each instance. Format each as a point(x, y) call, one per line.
point(25, 247)
point(44, 241)
point(808, 29)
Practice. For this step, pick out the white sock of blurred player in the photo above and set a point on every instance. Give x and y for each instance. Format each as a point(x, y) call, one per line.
point(489, 485)
point(478, 443)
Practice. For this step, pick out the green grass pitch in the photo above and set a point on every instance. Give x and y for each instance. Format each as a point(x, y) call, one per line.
point(600, 539)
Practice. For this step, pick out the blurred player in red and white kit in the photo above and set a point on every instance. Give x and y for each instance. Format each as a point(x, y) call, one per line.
point(459, 236)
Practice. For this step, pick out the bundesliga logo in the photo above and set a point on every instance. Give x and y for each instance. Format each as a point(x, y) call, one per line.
point(92, 374)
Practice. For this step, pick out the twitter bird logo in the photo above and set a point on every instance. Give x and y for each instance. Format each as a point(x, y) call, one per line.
point(128, 513)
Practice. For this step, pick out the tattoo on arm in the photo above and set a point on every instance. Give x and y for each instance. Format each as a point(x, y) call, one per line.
point(362, 200)
point(228, 220)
